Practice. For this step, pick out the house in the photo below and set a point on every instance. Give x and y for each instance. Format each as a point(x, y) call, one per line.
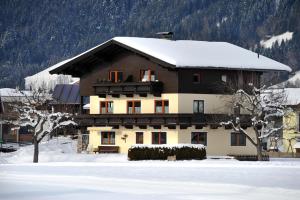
point(291, 131)
point(158, 91)
point(10, 133)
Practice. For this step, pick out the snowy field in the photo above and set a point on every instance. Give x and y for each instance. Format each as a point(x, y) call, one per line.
point(63, 174)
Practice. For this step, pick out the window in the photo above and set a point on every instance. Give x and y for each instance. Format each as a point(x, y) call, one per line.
point(162, 106)
point(199, 138)
point(148, 75)
point(224, 78)
point(139, 137)
point(115, 76)
point(159, 138)
point(197, 78)
point(198, 106)
point(133, 107)
point(106, 107)
point(108, 138)
point(238, 139)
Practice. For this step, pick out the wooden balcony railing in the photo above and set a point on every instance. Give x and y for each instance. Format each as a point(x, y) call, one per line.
point(128, 88)
point(155, 119)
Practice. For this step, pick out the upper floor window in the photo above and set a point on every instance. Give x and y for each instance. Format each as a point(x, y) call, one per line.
point(196, 78)
point(162, 106)
point(238, 139)
point(199, 138)
point(148, 75)
point(198, 106)
point(106, 107)
point(133, 107)
point(115, 76)
point(159, 138)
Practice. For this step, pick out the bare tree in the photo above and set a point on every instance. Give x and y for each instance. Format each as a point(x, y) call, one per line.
point(264, 107)
point(33, 111)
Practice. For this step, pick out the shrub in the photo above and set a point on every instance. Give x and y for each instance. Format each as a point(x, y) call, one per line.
point(161, 152)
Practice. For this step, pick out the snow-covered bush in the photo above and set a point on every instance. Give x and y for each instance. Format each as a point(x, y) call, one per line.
point(161, 152)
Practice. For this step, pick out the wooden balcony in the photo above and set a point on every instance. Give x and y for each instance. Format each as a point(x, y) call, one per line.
point(128, 88)
point(155, 119)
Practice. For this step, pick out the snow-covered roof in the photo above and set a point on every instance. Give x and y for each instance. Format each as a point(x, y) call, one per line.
point(10, 92)
point(292, 95)
point(195, 54)
point(297, 145)
point(47, 81)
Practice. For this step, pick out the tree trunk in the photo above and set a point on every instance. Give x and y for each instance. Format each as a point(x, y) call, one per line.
point(259, 150)
point(35, 150)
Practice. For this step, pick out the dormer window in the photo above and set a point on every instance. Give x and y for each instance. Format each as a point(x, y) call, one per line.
point(148, 75)
point(115, 76)
point(197, 78)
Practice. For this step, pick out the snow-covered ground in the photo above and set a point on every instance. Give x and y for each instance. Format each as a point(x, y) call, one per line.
point(63, 174)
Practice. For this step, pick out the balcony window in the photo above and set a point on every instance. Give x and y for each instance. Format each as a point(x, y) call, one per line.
point(133, 107)
point(238, 139)
point(199, 138)
point(115, 76)
point(159, 138)
point(162, 106)
point(198, 106)
point(106, 107)
point(148, 75)
point(197, 78)
point(139, 137)
point(108, 138)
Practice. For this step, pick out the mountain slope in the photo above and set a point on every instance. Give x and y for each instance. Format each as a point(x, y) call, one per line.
point(37, 34)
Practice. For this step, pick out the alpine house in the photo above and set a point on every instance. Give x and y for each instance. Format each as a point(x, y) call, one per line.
point(158, 91)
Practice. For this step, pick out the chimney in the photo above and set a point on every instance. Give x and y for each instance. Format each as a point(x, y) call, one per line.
point(165, 35)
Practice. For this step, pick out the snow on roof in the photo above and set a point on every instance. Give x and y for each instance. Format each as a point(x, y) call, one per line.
point(10, 92)
point(297, 145)
point(46, 80)
point(189, 53)
point(293, 96)
point(277, 38)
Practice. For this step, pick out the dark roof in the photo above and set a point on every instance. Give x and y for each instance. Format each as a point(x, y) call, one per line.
point(66, 94)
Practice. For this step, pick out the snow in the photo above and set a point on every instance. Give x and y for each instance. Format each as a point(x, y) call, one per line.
point(169, 146)
point(47, 81)
point(189, 53)
point(291, 95)
point(63, 174)
point(277, 38)
point(297, 145)
point(10, 92)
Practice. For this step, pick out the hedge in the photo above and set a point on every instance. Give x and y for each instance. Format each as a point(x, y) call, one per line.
point(161, 152)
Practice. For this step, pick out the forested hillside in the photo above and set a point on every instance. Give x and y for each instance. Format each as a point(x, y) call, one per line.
point(36, 34)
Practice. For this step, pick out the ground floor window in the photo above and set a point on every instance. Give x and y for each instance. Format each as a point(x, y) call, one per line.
point(238, 139)
point(199, 138)
point(159, 138)
point(108, 138)
point(139, 137)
